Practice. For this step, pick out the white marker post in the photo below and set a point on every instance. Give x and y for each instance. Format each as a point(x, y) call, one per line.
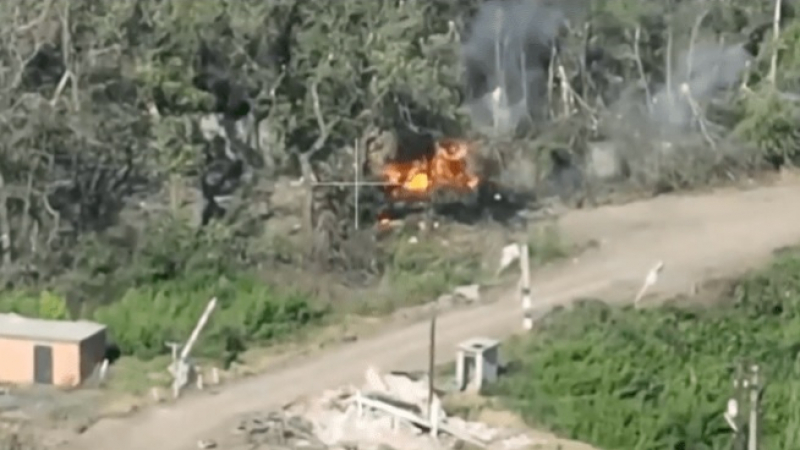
point(104, 369)
point(525, 287)
point(649, 281)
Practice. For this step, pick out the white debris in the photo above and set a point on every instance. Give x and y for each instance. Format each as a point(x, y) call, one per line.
point(511, 253)
point(206, 444)
point(390, 410)
point(471, 292)
point(519, 441)
point(445, 301)
point(374, 380)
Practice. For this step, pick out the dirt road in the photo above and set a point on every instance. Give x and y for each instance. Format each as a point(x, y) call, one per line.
point(697, 237)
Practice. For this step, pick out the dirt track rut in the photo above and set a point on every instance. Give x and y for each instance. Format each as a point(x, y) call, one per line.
point(697, 237)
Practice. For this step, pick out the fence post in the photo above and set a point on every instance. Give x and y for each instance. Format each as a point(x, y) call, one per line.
point(525, 287)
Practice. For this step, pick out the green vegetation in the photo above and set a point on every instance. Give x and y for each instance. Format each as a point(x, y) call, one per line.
point(249, 312)
point(161, 290)
point(660, 378)
point(44, 304)
point(424, 270)
point(114, 114)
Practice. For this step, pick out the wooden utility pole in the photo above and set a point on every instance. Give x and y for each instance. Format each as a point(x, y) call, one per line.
point(431, 362)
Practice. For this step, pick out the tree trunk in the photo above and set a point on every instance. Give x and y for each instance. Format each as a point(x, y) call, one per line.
point(5, 227)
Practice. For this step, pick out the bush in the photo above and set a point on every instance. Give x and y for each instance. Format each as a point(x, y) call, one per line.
point(661, 378)
point(248, 312)
point(45, 304)
point(428, 269)
point(157, 290)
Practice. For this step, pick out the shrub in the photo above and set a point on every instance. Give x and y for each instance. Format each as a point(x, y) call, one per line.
point(45, 305)
point(248, 312)
point(661, 378)
point(428, 269)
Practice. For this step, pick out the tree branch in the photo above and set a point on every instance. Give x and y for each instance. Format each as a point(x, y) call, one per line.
point(319, 144)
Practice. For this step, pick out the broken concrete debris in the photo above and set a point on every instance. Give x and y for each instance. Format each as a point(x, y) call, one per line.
point(471, 292)
point(390, 411)
point(461, 295)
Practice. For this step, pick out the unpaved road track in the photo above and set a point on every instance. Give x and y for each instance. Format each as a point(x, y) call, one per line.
point(697, 237)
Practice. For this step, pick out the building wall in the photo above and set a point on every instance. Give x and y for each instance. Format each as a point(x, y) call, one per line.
point(66, 364)
point(93, 352)
point(16, 362)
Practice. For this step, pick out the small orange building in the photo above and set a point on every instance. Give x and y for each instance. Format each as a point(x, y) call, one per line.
point(57, 352)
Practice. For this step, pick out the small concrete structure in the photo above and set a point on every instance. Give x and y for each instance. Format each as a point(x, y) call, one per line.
point(57, 352)
point(478, 359)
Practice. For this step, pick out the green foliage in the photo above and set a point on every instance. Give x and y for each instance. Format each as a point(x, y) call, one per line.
point(165, 250)
point(373, 63)
point(377, 57)
point(768, 113)
point(769, 123)
point(52, 306)
point(44, 305)
point(160, 289)
point(660, 378)
point(424, 270)
point(168, 39)
point(248, 313)
point(157, 290)
point(546, 244)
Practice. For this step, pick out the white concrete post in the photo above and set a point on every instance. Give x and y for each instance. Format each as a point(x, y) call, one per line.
point(525, 288)
point(434, 416)
point(104, 369)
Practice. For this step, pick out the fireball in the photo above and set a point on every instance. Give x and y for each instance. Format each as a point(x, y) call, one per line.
point(446, 168)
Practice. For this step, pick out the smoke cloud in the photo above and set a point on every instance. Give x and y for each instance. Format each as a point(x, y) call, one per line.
point(507, 53)
point(506, 58)
point(699, 76)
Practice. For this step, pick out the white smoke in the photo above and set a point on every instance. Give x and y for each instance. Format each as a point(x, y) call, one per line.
point(506, 57)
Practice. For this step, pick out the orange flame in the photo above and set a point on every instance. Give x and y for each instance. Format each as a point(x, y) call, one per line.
point(417, 179)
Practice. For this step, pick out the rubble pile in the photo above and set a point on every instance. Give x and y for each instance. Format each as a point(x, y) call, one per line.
point(390, 411)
